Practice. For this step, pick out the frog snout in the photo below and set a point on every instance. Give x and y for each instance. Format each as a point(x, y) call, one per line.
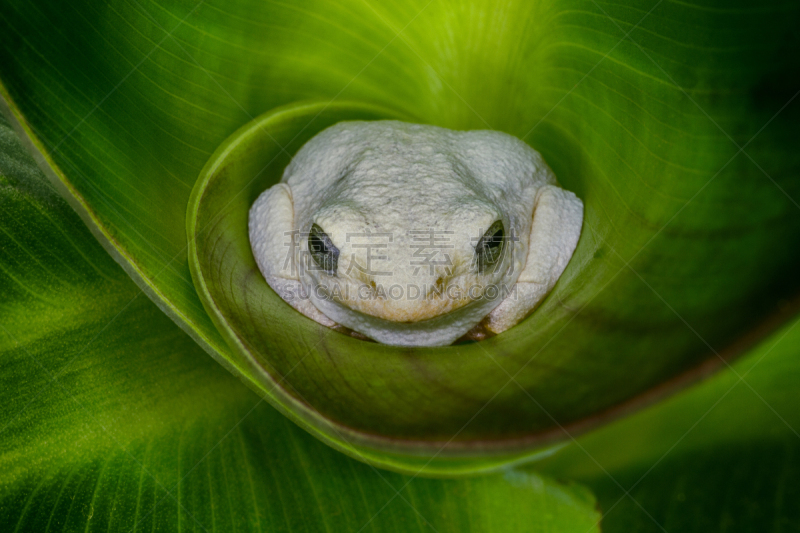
point(406, 298)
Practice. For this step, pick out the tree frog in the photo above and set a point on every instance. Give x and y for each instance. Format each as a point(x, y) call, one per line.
point(412, 234)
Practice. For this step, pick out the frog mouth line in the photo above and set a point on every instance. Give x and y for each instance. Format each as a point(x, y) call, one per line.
point(422, 302)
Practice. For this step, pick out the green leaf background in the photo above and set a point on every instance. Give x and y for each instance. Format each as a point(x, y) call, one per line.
point(115, 420)
point(676, 123)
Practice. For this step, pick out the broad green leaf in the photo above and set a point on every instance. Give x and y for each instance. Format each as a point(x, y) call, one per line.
point(113, 419)
point(723, 456)
point(674, 122)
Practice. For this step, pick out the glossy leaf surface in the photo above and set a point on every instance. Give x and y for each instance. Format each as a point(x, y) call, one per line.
point(722, 456)
point(113, 419)
point(669, 120)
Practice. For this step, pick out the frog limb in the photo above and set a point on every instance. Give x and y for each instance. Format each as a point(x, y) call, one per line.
point(557, 221)
point(273, 241)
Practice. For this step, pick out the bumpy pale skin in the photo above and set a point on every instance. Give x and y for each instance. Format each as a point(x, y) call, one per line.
point(405, 205)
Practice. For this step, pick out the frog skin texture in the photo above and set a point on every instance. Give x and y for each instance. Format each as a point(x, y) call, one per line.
point(414, 235)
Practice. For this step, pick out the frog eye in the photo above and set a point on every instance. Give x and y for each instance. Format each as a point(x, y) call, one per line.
point(489, 249)
point(324, 253)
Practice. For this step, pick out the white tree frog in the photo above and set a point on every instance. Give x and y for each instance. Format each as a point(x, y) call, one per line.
point(412, 234)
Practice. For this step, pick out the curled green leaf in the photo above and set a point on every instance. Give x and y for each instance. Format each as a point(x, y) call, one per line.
point(441, 410)
point(674, 122)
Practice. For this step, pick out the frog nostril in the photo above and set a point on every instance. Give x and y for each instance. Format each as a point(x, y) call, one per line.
point(436, 290)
